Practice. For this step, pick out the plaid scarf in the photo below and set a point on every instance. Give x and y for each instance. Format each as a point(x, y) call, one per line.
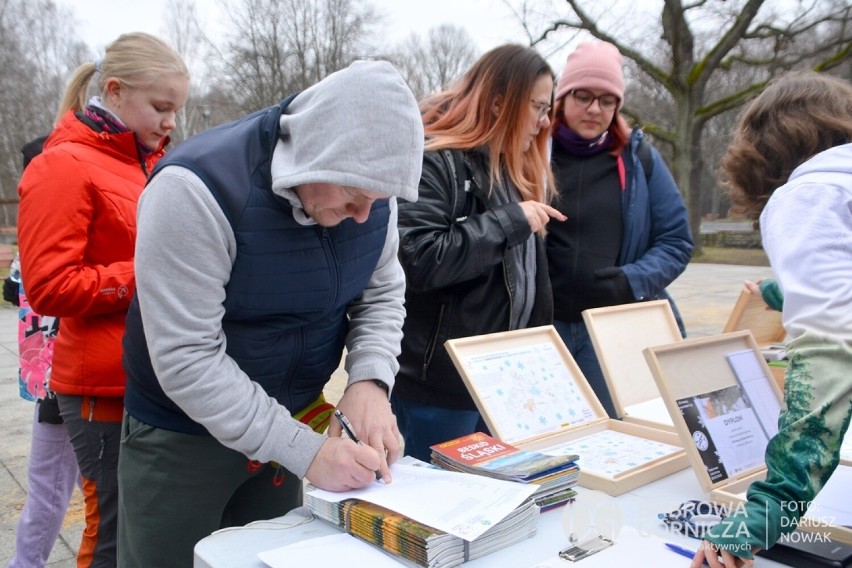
point(106, 121)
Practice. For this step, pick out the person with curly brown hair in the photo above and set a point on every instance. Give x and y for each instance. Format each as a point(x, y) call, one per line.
point(790, 165)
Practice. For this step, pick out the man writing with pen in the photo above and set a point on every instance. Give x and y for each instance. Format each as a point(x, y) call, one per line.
point(350, 431)
point(265, 247)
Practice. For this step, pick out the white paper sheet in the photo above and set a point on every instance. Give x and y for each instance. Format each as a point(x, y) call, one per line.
point(834, 503)
point(461, 504)
point(631, 548)
point(734, 427)
point(755, 384)
point(846, 446)
point(653, 410)
point(333, 550)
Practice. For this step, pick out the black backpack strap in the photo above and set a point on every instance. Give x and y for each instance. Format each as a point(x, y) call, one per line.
point(455, 161)
point(32, 149)
point(643, 152)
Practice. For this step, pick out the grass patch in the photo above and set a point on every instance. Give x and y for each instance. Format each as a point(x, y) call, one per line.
point(738, 256)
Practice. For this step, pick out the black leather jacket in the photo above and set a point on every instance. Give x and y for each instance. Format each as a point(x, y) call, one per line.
point(460, 281)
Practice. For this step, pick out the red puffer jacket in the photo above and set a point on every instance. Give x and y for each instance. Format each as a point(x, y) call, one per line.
point(76, 235)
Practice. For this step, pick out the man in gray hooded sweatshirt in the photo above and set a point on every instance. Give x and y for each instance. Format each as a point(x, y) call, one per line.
point(265, 247)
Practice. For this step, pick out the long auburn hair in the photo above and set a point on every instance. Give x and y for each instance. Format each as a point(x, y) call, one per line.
point(797, 116)
point(463, 117)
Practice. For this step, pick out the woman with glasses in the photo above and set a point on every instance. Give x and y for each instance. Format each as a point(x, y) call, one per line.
point(471, 246)
point(627, 235)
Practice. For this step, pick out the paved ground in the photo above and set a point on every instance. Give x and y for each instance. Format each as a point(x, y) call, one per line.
point(705, 294)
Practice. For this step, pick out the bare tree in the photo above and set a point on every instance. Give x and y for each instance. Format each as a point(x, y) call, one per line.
point(431, 65)
point(698, 66)
point(184, 30)
point(38, 50)
point(277, 47)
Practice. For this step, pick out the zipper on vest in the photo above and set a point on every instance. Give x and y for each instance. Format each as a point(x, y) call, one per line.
point(333, 265)
point(287, 385)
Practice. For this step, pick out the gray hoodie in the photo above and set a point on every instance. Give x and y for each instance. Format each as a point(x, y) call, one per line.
point(359, 127)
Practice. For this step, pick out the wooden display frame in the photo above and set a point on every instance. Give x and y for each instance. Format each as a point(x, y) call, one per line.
point(464, 350)
point(619, 335)
point(696, 366)
point(751, 313)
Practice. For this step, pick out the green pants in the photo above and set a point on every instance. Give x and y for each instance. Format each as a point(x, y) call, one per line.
point(175, 489)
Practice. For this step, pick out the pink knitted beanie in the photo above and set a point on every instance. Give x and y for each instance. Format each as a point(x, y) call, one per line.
point(594, 66)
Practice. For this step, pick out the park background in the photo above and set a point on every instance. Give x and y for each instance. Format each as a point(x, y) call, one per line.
point(690, 66)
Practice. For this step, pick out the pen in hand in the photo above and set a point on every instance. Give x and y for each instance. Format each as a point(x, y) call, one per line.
point(350, 431)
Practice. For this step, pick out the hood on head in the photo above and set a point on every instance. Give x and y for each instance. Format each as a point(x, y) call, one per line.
point(359, 127)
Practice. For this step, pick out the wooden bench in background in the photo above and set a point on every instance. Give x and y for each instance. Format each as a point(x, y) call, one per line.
point(7, 253)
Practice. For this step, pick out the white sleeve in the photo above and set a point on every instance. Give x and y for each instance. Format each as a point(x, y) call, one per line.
point(807, 234)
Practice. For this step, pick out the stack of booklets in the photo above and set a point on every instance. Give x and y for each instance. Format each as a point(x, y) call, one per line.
point(481, 454)
point(418, 544)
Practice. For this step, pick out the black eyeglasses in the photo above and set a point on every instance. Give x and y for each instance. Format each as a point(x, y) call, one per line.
point(543, 109)
point(584, 98)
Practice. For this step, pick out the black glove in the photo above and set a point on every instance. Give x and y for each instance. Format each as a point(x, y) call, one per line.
point(48, 409)
point(10, 291)
point(612, 287)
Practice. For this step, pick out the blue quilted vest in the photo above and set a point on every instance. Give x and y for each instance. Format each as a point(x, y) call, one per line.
point(285, 308)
